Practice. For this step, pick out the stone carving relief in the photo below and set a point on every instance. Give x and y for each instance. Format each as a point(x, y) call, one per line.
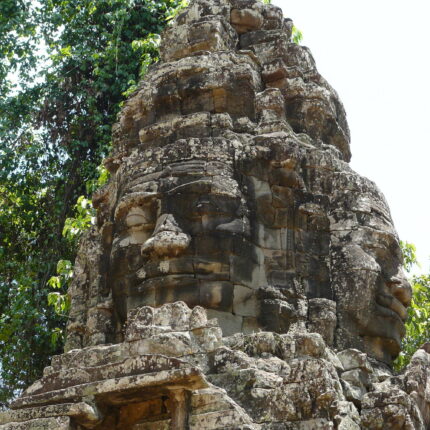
point(231, 190)
point(241, 275)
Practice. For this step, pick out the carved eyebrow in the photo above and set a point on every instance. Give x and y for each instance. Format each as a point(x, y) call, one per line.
point(188, 184)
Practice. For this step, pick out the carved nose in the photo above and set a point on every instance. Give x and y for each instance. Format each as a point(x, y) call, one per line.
point(168, 238)
point(401, 289)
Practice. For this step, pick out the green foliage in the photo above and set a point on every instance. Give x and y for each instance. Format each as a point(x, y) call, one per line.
point(297, 35)
point(94, 184)
point(181, 5)
point(81, 222)
point(65, 66)
point(418, 322)
point(409, 252)
point(73, 229)
point(59, 301)
point(148, 49)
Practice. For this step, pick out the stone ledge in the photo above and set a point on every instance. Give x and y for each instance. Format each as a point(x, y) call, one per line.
point(84, 414)
point(58, 423)
point(119, 390)
point(77, 375)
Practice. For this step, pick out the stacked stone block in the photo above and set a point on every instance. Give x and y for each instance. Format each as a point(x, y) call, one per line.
point(240, 275)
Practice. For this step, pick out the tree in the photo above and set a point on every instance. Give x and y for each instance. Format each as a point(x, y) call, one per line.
point(65, 68)
point(418, 322)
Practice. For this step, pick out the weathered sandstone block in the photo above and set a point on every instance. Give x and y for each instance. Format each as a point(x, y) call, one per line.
point(241, 275)
point(256, 381)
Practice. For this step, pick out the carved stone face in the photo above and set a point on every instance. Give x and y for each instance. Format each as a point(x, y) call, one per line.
point(177, 236)
point(241, 238)
point(231, 190)
point(372, 292)
point(251, 243)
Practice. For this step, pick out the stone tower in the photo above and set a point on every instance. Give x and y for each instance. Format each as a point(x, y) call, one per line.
point(241, 275)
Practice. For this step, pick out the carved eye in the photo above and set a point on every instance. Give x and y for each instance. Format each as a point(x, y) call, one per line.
point(138, 217)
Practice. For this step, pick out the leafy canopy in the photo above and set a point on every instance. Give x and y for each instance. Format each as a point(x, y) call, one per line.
point(418, 322)
point(65, 68)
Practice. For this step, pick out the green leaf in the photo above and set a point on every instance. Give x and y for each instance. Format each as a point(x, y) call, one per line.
point(54, 282)
point(66, 51)
point(63, 266)
point(297, 35)
point(74, 60)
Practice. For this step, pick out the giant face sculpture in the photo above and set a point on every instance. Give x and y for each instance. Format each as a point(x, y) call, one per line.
point(221, 226)
point(252, 235)
point(178, 233)
point(371, 289)
point(231, 190)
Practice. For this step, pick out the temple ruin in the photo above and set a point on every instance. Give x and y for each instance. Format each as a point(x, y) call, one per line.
point(241, 275)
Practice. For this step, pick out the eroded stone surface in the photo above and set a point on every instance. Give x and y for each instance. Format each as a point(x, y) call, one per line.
point(261, 380)
point(230, 190)
point(241, 275)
